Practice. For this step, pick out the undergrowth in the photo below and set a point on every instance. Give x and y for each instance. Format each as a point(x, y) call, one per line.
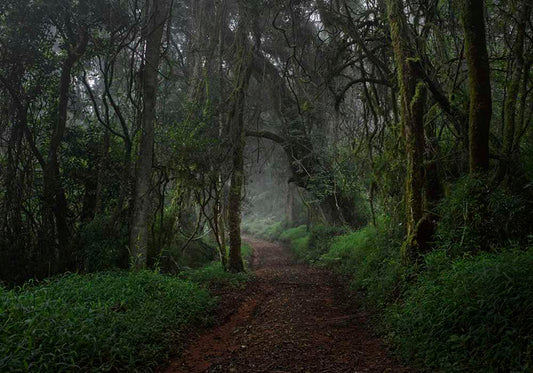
point(265, 228)
point(475, 315)
point(105, 321)
point(449, 312)
point(102, 321)
point(371, 258)
point(214, 276)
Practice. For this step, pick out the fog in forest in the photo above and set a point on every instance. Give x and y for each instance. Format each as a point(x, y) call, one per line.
point(266, 185)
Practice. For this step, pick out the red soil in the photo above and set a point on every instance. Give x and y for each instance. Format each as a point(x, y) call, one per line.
point(291, 318)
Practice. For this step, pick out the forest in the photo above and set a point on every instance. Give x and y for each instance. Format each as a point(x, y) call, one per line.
point(266, 185)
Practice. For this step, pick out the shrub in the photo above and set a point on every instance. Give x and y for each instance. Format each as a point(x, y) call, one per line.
point(319, 241)
point(473, 316)
point(197, 253)
point(477, 216)
point(102, 245)
point(246, 251)
point(300, 247)
point(298, 239)
point(214, 276)
point(371, 258)
point(263, 228)
point(294, 233)
point(272, 232)
point(98, 322)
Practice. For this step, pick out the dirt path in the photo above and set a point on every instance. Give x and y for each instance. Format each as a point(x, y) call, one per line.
point(293, 319)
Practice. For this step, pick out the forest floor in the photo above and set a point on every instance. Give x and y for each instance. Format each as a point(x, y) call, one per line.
point(290, 318)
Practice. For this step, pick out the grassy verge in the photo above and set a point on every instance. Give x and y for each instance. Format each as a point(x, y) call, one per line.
point(214, 276)
point(473, 315)
point(264, 228)
point(118, 321)
point(450, 314)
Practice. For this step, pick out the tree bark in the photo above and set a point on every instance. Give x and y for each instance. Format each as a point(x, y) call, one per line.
point(511, 123)
point(412, 102)
point(477, 59)
point(55, 201)
point(103, 160)
point(291, 208)
point(241, 71)
point(156, 15)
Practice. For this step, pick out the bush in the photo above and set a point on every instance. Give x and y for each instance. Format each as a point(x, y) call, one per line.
point(320, 240)
point(214, 276)
point(99, 322)
point(474, 315)
point(263, 228)
point(197, 254)
point(478, 217)
point(309, 246)
point(298, 240)
point(294, 233)
point(102, 245)
point(371, 258)
point(272, 232)
point(246, 251)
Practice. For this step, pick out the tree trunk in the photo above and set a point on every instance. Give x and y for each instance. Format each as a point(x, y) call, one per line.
point(412, 100)
point(241, 71)
point(511, 125)
point(290, 213)
point(102, 166)
point(472, 19)
point(11, 202)
point(156, 15)
point(218, 228)
point(55, 201)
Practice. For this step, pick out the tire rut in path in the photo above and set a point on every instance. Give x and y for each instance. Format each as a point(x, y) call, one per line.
point(294, 318)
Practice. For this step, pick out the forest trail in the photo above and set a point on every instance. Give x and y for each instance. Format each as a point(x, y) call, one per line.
point(292, 318)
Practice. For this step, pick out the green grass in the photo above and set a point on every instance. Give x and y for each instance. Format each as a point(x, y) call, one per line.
point(292, 234)
point(102, 321)
point(371, 258)
point(452, 315)
point(263, 228)
point(214, 276)
point(125, 321)
point(474, 315)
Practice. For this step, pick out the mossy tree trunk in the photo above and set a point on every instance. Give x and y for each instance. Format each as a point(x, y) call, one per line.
point(241, 75)
point(477, 59)
point(512, 123)
point(156, 15)
point(412, 106)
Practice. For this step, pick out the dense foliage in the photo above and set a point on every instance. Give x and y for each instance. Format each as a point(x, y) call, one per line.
point(389, 139)
point(118, 321)
point(451, 314)
point(103, 321)
point(471, 315)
